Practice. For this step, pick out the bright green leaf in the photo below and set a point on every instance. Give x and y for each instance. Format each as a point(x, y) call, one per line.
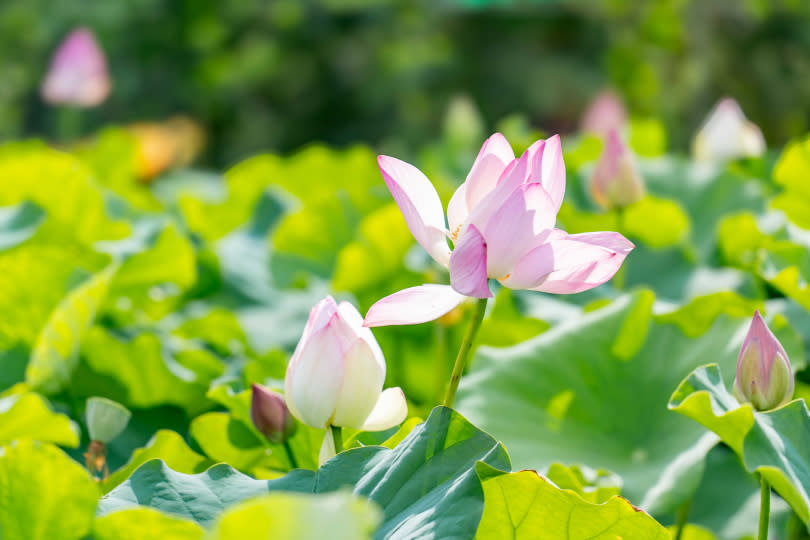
point(144, 524)
point(299, 517)
point(27, 415)
point(525, 505)
point(55, 354)
point(44, 494)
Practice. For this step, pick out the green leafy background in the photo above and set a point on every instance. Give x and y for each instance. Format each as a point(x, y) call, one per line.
point(173, 297)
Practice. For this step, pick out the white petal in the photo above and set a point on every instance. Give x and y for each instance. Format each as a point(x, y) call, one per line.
point(391, 409)
point(314, 384)
point(414, 305)
point(362, 384)
point(327, 448)
point(355, 320)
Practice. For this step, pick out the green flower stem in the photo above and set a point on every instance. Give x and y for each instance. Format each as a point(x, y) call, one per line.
point(764, 508)
point(290, 455)
point(464, 351)
point(681, 519)
point(337, 436)
point(68, 124)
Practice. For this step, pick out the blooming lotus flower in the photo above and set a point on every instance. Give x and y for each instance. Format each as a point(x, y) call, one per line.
point(336, 374)
point(616, 182)
point(501, 221)
point(728, 134)
point(270, 415)
point(764, 377)
point(78, 72)
point(605, 114)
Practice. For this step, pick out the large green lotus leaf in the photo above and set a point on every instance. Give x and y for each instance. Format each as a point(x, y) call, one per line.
point(427, 486)
point(783, 263)
point(34, 278)
point(772, 443)
point(27, 415)
point(61, 185)
point(141, 371)
point(166, 445)
point(299, 516)
point(144, 524)
point(593, 391)
point(55, 353)
point(525, 505)
point(44, 494)
point(18, 223)
point(199, 497)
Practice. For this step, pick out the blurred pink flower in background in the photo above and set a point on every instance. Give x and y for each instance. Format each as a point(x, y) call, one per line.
point(78, 72)
point(616, 182)
point(604, 114)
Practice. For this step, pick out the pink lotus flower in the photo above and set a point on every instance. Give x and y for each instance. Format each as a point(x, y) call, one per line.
point(764, 377)
point(616, 182)
point(501, 221)
point(78, 73)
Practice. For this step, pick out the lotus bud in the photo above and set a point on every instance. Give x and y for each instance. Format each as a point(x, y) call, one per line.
point(764, 377)
point(78, 72)
point(616, 182)
point(728, 134)
point(605, 114)
point(105, 418)
point(270, 415)
point(336, 374)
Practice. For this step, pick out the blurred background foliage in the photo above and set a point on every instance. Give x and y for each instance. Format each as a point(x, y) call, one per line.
point(276, 75)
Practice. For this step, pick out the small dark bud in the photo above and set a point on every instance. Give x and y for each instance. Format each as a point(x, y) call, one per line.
point(270, 415)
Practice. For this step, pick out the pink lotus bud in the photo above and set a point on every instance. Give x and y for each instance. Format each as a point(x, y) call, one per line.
point(728, 134)
point(616, 182)
point(764, 377)
point(270, 415)
point(605, 114)
point(78, 72)
point(336, 374)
